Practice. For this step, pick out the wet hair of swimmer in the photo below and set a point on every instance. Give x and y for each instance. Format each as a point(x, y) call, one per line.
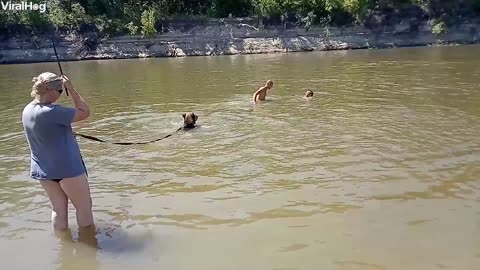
point(309, 93)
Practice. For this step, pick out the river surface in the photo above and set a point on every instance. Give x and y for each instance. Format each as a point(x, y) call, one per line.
point(380, 170)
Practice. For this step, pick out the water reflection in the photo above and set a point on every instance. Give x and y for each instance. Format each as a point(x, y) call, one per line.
point(80, 254)
point(82, 251)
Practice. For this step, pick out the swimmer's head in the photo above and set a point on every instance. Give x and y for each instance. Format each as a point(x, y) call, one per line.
point(269, 84)
point(309, 93)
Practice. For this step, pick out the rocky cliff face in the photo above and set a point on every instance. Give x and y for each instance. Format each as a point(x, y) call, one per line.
point(230, 37)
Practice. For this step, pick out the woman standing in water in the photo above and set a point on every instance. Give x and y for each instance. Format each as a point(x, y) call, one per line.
point(55, 158)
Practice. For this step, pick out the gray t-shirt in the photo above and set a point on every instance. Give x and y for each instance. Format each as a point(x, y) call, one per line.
point(54, 152)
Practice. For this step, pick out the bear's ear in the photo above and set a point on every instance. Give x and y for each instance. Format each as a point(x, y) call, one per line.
point(184, 114)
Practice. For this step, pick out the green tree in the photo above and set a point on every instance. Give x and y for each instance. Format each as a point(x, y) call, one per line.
point(148, 22)
point(60, 17)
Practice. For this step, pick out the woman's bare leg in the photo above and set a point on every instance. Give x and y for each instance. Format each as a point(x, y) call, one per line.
point(78, 190)
point(59, 201)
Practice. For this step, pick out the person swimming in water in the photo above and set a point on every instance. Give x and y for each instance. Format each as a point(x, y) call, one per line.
point(261, 93)
point(308, 94)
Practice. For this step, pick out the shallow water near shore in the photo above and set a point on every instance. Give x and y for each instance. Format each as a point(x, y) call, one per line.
point(380, 170)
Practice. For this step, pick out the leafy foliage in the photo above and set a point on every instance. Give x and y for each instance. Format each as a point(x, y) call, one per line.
point(144, 16)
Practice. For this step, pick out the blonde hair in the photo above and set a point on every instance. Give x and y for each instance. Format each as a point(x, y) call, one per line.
point(45, 82)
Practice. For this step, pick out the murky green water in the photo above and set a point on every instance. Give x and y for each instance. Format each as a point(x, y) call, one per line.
point(379, 171)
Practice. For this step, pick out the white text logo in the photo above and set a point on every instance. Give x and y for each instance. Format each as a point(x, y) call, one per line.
point(23, 6)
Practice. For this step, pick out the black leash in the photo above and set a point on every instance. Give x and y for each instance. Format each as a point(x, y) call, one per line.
point(58, 62)
point(124, 143)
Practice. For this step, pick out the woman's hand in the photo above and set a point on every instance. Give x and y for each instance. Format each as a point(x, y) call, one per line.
point(67, 83)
